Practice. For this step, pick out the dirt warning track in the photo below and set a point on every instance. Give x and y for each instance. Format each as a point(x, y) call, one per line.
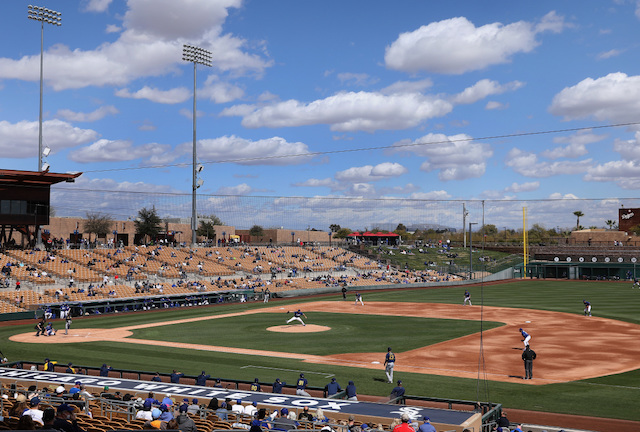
point(569, 346)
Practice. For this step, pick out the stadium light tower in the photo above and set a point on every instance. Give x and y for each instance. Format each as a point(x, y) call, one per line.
point(44, 15)
point(196, 56)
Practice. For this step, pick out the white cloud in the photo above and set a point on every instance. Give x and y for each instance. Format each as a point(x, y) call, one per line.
point(150, 45)
point(615, 97)
point(625, 174)
point(370, 173)
point(456, 45)
point(576, 145)
point(20, 140)
point(241, 189)
point(269, 151)
point(495, 105)
point(523, 187)
point(97, 5)
point(482, 89)
point(608, 54)
point(96, 115)
point(528, 165)
point(327, 182)
point(433, 195)
point(401, 87)
point(112, 28)
point(218, 91)
point(351, 111)
point(121, 150)
point(399, 190)
point(456, 157)
point(173, 96)
point(356, 79)
point(629, 150)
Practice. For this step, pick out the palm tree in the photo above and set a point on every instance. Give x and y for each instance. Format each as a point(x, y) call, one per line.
point(578, 214)
point(610, 223)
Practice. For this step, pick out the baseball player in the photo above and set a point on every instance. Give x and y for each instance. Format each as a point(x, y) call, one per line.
point(587, 308)
point(67, 324)
point(467, 298)
point(296, 317)
point(301, 386)
point(526, 338)
point(359, 299)
point(389, 362)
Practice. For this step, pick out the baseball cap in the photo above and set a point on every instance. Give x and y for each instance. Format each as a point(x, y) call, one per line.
point(155, 413)
point(65, 407)
point(184, 407)
point(78, 383)
point(404, 417)
point(195, 401)
point(60, 389)
point(399, 382)
point(34, 401)
point(164, 407)
point(426, 418)
point(301, 375)
point(284, 411)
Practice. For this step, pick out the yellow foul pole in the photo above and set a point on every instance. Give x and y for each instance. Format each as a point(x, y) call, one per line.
point(525, 240)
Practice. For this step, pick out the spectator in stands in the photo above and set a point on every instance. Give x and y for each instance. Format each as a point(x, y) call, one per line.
point(165, 414)
point(201, 380)
point(167, 401)
point(66, 419)
point(351, 392)
point(155, 423)
point(175, 376)
point(75, 389)
point(332, 388)
point(320, 417)
point(251, 409)
point(426, 426)
point(404, 425)
point(351, 424)
point(48, 417)
point(184, 422)
point(222, 411)
point(26, 423)
point(145, 412)
point(194, 408)
point(282, 422)
point(398, 392)
point(277, 386)
point(151, 399)
point(105, 369)
point(305, 414)
point(503, 421)
point(34, 411)
point(237, 407)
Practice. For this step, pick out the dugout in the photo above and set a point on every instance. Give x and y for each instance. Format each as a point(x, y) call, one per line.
point(585, 270)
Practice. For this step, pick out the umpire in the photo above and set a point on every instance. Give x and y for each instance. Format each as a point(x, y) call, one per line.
point(528, 355)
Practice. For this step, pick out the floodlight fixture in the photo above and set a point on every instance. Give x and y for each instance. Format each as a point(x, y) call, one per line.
point(195, 55)
point(46, 151)
point(42, 14)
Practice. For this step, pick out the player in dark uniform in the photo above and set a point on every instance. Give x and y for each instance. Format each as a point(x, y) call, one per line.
point(389, 362)
point(301, 385)
point(467, 298)
point(255, 386)
point(277, 386)
point(528, 355)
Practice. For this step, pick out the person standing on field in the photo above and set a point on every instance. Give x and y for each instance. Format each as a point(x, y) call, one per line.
point(528, 355)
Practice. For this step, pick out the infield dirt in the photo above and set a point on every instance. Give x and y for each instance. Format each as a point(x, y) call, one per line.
point(569, 346)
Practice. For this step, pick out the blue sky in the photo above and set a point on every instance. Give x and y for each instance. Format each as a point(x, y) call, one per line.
point(404, 100)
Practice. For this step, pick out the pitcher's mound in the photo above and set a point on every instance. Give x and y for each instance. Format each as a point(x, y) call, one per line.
point(298, 328)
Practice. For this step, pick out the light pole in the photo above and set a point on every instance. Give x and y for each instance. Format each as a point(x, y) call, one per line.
point(195, 55)
point(44, 15)
point(471, 249)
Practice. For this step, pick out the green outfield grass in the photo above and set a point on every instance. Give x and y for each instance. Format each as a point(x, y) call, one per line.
point(349, 333)
point(613, 396)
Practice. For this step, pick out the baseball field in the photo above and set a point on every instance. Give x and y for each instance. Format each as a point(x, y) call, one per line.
point(585, 366)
